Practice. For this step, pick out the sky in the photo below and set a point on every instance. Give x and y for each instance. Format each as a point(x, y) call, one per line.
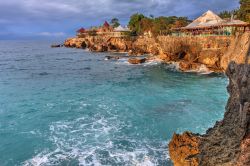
point(25, 19)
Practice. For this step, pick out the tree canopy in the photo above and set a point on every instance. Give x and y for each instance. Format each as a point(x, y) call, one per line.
point(157, 25)
point(244, 11)
point(135, 22)
point(227, 14)
point(115, 22)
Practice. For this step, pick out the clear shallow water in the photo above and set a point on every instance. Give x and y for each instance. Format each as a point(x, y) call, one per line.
point(71, 107)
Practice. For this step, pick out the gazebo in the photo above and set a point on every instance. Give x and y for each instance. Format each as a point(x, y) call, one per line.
point(121, 31)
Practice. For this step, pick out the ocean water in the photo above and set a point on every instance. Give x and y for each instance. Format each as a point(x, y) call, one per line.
point(66, 106)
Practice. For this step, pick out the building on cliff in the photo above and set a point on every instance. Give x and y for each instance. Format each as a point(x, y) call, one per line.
point(81, 32)
point(211, 24)
point(121, 31)
point(104, 30)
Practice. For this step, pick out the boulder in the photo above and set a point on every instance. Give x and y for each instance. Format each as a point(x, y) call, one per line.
point(136, 60)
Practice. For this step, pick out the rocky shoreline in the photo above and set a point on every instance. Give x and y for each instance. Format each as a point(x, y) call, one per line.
point(190, 52)
point(228, 142)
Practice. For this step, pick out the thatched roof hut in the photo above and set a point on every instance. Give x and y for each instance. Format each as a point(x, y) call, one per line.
point(207, 19)
point(211, 20)
point(211, 24)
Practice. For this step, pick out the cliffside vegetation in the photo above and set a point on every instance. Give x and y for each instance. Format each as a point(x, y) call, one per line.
point(115, 22)
point(228, 14)
point(160, 25)
point(243, 13)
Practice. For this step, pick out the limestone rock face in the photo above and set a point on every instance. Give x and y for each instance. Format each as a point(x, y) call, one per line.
point(210, 58)
point(228, 142)
point(236, 51)
point(123, 44)
point(98, 48)
point(75, 42)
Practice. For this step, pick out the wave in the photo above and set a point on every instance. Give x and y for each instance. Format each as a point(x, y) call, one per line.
point(91, 141)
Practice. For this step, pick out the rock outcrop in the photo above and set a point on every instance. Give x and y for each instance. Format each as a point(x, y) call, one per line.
point(228, 142)
point(76, 42)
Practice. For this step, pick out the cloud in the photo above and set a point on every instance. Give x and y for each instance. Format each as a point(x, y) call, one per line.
point(39, 16)
point(51, 34)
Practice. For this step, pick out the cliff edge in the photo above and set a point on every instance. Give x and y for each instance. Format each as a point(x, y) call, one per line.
point(190, 52)
point(228, 142)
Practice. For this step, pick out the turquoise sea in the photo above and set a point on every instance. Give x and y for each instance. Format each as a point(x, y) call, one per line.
point(69, 107)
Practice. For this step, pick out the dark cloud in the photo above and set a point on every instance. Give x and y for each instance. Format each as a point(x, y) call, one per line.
point(36, 17)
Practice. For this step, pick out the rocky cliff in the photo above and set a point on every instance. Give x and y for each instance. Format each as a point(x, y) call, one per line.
point(191, 52)
point(228, 142)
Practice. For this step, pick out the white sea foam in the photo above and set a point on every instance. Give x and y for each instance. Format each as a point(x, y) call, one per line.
point(174, 66)
point(122, 61)
point(152, 62)
point(204, 70)
point(87, 139)
point(38, 160)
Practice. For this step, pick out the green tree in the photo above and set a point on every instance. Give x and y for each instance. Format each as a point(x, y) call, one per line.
point(163, 25)
point(225, 14)
point(244, 11)
point(115, 22)
point(160, 25)
point(146, 24)
point(180, 22)
point(135, 23)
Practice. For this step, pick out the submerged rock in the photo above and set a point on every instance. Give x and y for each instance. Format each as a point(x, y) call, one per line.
point(228, 142)
point(112, 57)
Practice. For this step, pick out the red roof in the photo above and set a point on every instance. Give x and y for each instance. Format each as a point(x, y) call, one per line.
point(106, 24)
point(81, 30)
